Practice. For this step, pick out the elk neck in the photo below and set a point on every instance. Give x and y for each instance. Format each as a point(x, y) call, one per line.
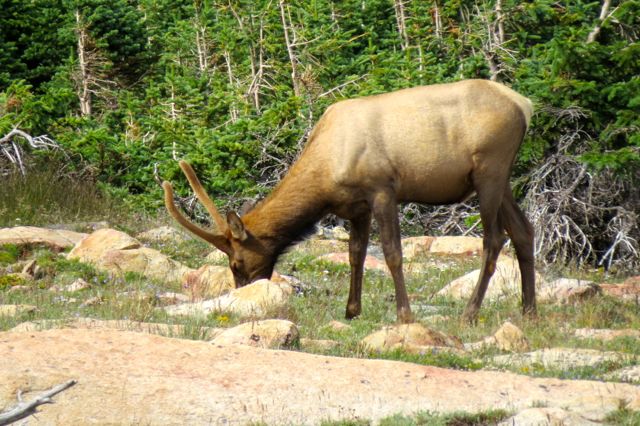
point(290, 212)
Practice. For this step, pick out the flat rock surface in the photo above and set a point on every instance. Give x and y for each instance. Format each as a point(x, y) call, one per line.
point(57, 239)
point(132, 378)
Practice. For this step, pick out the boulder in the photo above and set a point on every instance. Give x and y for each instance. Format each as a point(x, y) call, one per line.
point(91, 248)
point(628, 290)
point(548, 416)
point(56, 239)
point(505, 282)
point(208, 281)
point(563, 358)
point(629, 374)
point(455, 245)
point(508, 338)
point(16, 310)
point(118, 253)
point(163, 234)
point(567, 290)
point(271, 333)
point(414, 338)
point(255, 299)
point(145, 261)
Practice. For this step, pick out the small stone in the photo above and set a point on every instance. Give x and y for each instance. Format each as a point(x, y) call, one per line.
point(93, 301)
point(77, 285)
point(414, 337)
point(567, 290)
point(338, 326)
point(272, 333)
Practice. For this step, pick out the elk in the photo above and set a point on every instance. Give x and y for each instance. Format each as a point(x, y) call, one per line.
point(433, 144)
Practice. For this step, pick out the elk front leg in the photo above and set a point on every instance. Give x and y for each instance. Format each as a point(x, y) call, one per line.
point(358, 241)
point(385, 210)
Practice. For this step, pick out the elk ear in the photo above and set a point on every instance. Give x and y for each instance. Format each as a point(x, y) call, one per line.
point(236, 226)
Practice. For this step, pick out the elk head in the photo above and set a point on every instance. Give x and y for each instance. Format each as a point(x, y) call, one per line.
point(250, 258)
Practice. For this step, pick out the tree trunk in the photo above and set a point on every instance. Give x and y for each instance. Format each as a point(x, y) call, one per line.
point(604, 15)
point(84, 94)
point(292, 55)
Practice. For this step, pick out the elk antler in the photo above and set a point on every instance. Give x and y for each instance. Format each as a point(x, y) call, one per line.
point(217, 238)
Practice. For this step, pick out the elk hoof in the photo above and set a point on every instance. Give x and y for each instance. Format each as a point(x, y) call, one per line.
point(405, 317)
point(352, 312)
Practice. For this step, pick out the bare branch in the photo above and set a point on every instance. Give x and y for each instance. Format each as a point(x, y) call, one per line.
point(26, 409)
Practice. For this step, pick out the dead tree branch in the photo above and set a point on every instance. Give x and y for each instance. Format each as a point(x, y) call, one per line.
point(26, 409)
point(12, 151)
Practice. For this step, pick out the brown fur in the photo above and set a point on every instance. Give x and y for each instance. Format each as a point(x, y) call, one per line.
point(432, 144)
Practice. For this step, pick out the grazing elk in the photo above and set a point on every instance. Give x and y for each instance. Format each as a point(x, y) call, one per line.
point(433, 144)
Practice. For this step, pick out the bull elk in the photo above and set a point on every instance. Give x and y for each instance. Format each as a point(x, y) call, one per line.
point(433, 144)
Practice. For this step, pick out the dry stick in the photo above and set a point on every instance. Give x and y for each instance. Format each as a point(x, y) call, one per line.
point(26, 409)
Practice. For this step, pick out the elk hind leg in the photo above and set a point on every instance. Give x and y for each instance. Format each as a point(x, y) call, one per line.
point(358, 241)
point(492, 243)
point(521, 233)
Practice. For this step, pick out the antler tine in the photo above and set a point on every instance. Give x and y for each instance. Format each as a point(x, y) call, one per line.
point(173, 210)
point(203, 196)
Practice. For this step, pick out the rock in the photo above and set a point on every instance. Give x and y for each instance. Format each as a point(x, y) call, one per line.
point(91, 248)
point(117, 252)
point(606, 335)
point(164, 234)
point(170, 298)
point(171, 330)
point(92, 301)
point(16, 310)
point(255, 299)
point(145, 261)
point(217, 257)
point(318, 344)
point(416, 247)
point(505, 282)
point(148, 379)
point(370, 262)
point(77, 285)
point(414, 338)
point(508, 338)
point(338, 326)
point(563, 358)
point(271, 333)
point(208, 281)
point(567, 290)
point(335, 233)
point(553, 416)
point(456, 245)
point(629, 290)
point(628, 374)
point(55, 239)
point(18, 288)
